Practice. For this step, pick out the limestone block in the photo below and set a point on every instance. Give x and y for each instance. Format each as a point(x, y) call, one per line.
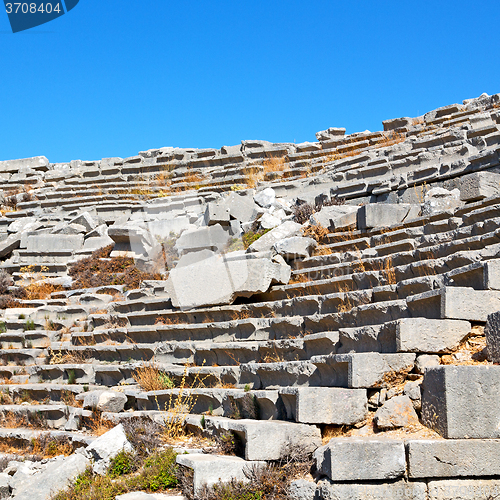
point(426, 361)
point(479, 185)
point(106, 447)
point(216, 213)
point(492, 332)
point(37, 163)
point(462, 401)
point(269, 439)
point(301, 489)
point(429, 335)
point(55, 476)
point(327, 405)
point(217, 280)
point(268, 240)
point(54, 242)
point(265, 198)
point(464, 489)
point(86, 219)
point(395, 123)
point(105, 400)
point(385, 214)
point(330, 133)
point(295, 247)
point(9, 244)
point(396, 412)
point(439, 200)
point(453, 457)
point(361, 458)
point(211, 469)
point(213, 238)
point(242, 207)
point(395, 490)
point(336, 216)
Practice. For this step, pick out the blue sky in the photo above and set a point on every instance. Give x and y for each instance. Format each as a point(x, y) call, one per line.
point(114, 77)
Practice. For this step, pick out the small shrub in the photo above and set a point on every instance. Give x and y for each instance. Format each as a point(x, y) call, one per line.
point(71, 377)
point(123, 463)
point(250, 236)
point(30, 325)
point(3, 327)
point(144, 435)
point(302, 213)
point(151, 378)
point(159, 472)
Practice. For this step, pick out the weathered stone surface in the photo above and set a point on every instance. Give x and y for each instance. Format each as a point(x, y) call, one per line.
point(361, 458)
point(242, 207)
point(394, 490)
point(492, 332)
point(105, 400)
point(325, 405)
point(57, 475)
point(218, 280)
point(464, 489)
point(301, 489)
point(385, 214)
point(396, 412)
point(265, 198)
point(268, 240)
point(439, 200)
point(336, 216)
point(54, 242)
point(211, 469)
point(269, 440)
point(429, 335)
point(453, 458)
point(106, 447)
point(213, 238)
point(479, 185)
point(426, 361)
point(295, 247)
point(330, 133)
point(462, 401)
point(216, 213)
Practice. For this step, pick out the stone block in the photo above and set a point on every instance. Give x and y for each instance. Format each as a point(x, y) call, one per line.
point(270, 439)
point(217, 280)
point(394, 490)
point(429, 335)
point(216, 213)
point(330, 133)
point(440, 200)
point(242, 207)
point(87, 220)
point(213, 238)
point(492, 332)
point(54, 242)
point(106, 447)
point(211, 469)
point(268, 240)
point(453, 458)
point(396, 412)
point(462, 401)
point(295, 247)
point(361, 458)
point(112, 401)
point(265, 198)
point(479, 185)
point(336, 216)
point(464, 489)
point(327, 405)
point(36, 163)
point(385, 214)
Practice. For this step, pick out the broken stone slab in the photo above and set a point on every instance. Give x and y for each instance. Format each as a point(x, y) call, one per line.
point(216, 213)
point(65, 228)
point(385, 214)
point(335, 217)
point(112, 401)
point(106, 447)
point(269, 439)
point(133, 240)
point(396, 412)
point(213, 238)
point(463, 489)
point(265, 198)
point(426, 361)
point(295, 247)
point(393, 490)
point(242, 207)
point(87, 220)
point(438, 200)
point(212, 469)
point(268, 240)
point(479, 185)
point(36, 163)
point(461, 402)
point(361, 458)
point(9, 244)
point(271, 220)
point(56, 476)
point(453, 458)
point(325, 405)
point(219, 280)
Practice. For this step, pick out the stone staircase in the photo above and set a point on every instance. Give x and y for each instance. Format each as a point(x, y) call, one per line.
point(378, 334)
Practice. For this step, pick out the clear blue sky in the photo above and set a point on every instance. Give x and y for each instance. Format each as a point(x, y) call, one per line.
point(114, 77)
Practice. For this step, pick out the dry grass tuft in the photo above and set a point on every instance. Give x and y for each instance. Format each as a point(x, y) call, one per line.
point(151, 378)
point(317, 232)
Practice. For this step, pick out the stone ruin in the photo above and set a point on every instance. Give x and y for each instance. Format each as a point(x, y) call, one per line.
point(349, 288)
